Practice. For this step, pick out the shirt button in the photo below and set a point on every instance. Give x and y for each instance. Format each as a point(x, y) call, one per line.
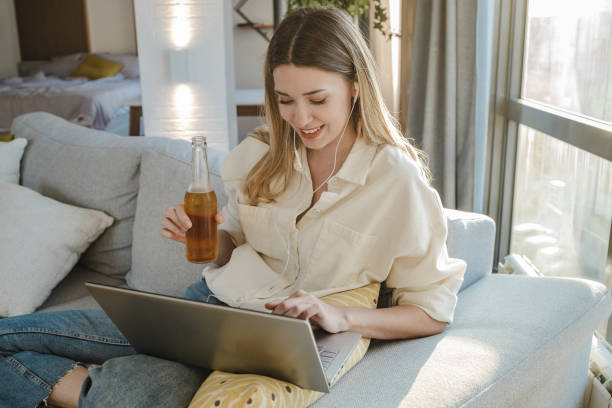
point(333, 181)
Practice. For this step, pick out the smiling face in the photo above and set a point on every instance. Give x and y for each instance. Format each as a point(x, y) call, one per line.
point(316, 103)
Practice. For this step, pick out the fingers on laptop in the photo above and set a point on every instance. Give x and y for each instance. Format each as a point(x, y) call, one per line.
point(300, 304)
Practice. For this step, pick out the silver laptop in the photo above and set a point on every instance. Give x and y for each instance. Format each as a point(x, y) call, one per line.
point(226, 338)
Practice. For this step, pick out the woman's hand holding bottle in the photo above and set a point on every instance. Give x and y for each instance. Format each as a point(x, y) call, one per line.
point(176, 223)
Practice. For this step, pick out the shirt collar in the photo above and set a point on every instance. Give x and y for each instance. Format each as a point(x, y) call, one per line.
point(355, 167)
point(357, 164)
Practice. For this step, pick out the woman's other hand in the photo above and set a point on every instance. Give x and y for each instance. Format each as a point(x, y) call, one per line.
point(306, 306)
point(176, 223)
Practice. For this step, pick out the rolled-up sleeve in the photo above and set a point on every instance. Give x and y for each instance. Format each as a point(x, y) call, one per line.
point(422, 274)
point(234, 171)
point(232, 224)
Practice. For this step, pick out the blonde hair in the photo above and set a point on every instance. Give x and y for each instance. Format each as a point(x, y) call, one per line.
point(327, 39)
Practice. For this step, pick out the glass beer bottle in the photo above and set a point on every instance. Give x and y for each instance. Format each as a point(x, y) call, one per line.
point(201, 208)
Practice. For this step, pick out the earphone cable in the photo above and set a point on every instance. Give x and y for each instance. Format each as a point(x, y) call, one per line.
point(337, 146)
point(297, 156)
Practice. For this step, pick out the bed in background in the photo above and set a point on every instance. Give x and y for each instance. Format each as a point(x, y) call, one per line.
point(47, 86)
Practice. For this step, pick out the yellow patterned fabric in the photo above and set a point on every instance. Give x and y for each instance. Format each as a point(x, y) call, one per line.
point(6, 137)
point(94, 67)
point(249, 390)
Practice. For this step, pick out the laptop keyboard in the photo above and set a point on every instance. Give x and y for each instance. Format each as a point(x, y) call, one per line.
point(326, 355)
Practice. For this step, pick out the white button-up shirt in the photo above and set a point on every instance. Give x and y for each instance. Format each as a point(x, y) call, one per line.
point(378, 220)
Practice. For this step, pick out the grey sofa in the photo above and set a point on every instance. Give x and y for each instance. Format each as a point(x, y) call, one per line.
point(515, 342)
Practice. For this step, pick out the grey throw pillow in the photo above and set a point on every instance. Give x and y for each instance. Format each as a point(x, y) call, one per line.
point(86, 168)
point(159, 264)
point(62, 66)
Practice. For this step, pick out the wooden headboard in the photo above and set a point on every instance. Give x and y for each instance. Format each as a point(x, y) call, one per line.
point(48, 28)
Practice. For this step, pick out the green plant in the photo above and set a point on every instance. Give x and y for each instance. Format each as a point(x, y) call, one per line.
point(356, 8)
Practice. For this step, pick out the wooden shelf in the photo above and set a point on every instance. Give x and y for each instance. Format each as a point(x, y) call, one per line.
point(256, 25)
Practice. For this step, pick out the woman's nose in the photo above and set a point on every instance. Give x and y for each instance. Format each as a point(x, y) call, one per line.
point(301, 116)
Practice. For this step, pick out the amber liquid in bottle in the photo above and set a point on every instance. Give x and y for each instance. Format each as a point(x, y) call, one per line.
point(201, 238)
point(201, 207)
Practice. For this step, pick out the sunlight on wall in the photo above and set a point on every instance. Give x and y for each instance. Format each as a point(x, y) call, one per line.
point(183, 101)
point(185, 52)
point(182, 96)
point(181, 28)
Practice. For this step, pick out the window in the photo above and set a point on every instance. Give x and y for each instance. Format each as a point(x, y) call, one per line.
point(562, 207)
point(568, 59)
point(550, 168)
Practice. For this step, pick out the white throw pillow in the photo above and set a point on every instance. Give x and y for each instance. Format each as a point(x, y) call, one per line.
point(10, 159)
point(63, 66)
point(40, 241)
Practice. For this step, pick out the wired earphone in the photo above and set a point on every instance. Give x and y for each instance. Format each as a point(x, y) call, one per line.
point(299, 162)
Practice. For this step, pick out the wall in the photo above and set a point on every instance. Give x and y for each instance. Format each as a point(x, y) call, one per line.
point(187, 70)
point(249, 54)
point(111, 29)
point(111, 26)
point(9, 43)
point(250, 47)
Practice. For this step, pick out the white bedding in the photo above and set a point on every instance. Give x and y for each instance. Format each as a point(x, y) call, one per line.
point(74, 99)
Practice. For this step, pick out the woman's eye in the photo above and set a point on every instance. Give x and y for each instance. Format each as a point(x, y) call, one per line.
point(284, 102)
point(319, 102)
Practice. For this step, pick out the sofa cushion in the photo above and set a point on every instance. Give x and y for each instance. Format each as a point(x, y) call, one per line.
point(40, 241)
point(86, 302)
point(511, 337)
point(159, 264)
point(72, 289)
point(86, 168)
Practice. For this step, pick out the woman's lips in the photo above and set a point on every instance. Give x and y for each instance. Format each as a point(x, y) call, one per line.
point(311, 135)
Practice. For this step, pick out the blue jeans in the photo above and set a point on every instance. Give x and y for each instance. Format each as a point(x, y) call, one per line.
point(36, 350)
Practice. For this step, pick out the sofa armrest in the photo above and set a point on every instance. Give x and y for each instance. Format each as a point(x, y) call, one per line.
point(516, 341)
point(471, 237)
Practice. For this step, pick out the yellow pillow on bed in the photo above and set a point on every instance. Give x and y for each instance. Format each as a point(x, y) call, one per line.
point(225, 389)
point(94, 67)
point(6, 137)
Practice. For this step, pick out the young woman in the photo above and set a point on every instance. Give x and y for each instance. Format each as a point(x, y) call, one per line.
point(328, 197)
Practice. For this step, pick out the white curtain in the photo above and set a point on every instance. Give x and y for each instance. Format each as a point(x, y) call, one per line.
point(393, 56)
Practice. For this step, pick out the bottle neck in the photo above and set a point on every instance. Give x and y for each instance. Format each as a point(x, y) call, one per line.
point(200, 179)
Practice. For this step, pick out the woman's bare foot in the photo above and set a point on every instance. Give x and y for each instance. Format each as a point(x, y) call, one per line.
point(66, 392)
